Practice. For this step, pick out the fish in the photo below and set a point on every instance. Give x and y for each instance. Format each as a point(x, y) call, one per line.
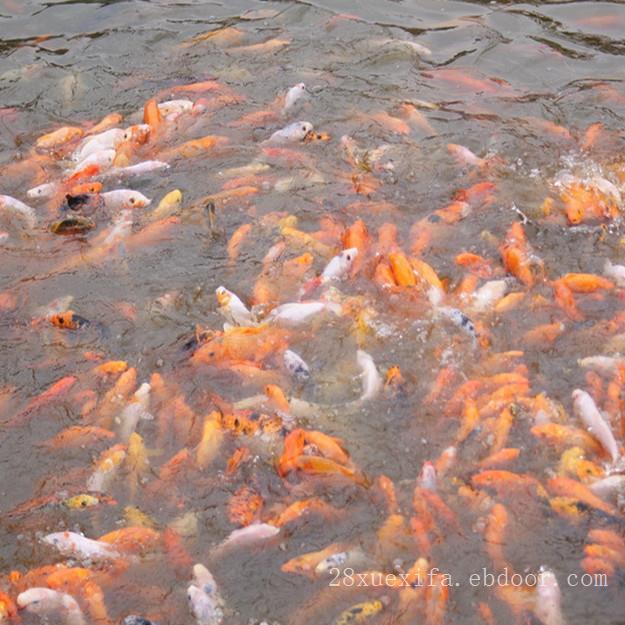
point(293, 95)
point(68, 320)
point(103, 159)
point(133, 619)
point(138, 169)
point(360, 612)
point(615, 272)
point(298, 313)
point(78, 546)
point(295, 365)
point(340, 265)
point(293, 133)
point(587, 411)
point(372, 383)
point(233, 309)
point(58, 137)
point(108, 139)
point(44, 601)
point(17, 208)
point(121, 199)
point(106, 467)
point(136, 409)
point(548, 607)
point(76, 224)
point(204, 599)
point(246, 536)
point(169, 205)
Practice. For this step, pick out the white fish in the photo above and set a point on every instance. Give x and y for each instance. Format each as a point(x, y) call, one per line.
point(135, 410)
point(333, 561)
point(371, 379)
point(488, 295)
point(293, 95)
point(103, 158)
point(295, 365)
point(43, 601)
point(427, 477)
point(134, 619)
point(609, 487)
point(548, 607)
point(109, 139)
point(615, 272)
point(204, 608)
point(298, 313)
point(421, 50)
point(606, 187)
point(606, 365)
point(464, 156)
point(461, 320)
point(233, 309)
point(339, 265)
point(353, 558)
point(292, 133)
point(138, 169)
point(78, 546)
point(175, 107)
point(120, 229)
point(205, 580)
point(124, 199)
point(256, 532)
point(21, 210)
point(586, 409)
point(46, 190)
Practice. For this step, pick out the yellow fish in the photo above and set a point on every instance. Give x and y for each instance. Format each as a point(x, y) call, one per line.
point(360, 612)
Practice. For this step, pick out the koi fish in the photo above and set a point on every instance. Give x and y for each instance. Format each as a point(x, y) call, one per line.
point(44, 601)
point(204, 598)
point(78, 546)
point(12, 206)
point(589, 414)
point(371, 380)
point(292, 133)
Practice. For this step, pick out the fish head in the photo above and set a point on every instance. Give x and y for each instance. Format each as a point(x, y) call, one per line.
point(223, 296)
point(348, 256)
point(302, 129)
point(43, 190)
point(134, 199)
point(33, 599)
point(138, 133)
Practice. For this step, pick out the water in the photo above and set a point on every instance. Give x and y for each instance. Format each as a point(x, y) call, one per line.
point(74, 62)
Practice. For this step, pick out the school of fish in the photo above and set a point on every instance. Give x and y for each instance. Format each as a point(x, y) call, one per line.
point(254, 459)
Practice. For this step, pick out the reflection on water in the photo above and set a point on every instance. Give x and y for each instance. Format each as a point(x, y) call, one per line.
point(471, 152)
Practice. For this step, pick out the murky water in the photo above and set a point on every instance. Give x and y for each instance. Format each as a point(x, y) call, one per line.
point(516, 83)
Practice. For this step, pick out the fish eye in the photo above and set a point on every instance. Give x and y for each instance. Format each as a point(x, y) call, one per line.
point(132, 200)
point(304, 129)
point(349, 256)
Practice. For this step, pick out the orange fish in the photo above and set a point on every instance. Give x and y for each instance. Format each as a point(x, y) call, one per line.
point(566, 487)
point(78, 436)
point(244, 506)
point(136, 540)
point(58, 389)
point(518, 258)
point(152, 117)
point(68, 320)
